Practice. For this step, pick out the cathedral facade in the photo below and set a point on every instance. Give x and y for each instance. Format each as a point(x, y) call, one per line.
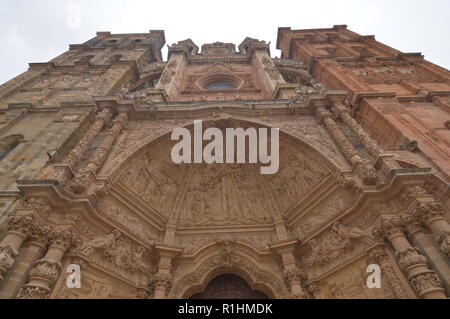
point(89, 192)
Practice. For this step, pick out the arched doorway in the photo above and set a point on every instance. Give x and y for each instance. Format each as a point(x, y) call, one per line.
point(229, 286)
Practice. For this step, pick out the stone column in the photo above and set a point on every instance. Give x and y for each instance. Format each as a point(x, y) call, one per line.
point(31, 250)
point(81, 181)
point(19, 227)
point(365, 170)
point(380, 256)
point(99, 156)
point(75, 155)
point(162, 280)
point(293, 276)
point(424, 281)
point(161, 285)
point(431, 213)
point(46, 270)
point(372, 146)
point(438, 261)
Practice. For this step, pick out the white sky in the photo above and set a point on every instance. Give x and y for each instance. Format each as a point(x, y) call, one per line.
point(39, 30)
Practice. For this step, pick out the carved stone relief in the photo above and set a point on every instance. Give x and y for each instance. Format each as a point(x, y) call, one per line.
point(224, 195)
point(330, 207)
point(335, 246)
point(133, 224)
point(154, 181)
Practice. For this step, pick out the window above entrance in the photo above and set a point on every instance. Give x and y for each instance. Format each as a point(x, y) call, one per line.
point(220, 85)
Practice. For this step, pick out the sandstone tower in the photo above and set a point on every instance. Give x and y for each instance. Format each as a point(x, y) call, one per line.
point(86, 177)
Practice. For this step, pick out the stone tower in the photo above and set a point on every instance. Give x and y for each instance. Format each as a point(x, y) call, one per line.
point(88, 185)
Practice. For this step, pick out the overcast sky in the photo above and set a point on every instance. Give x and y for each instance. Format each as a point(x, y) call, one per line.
point(38, 30)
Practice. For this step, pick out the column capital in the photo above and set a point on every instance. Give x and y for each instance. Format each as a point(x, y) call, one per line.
point(63, 239)
point(294, 275)
point(429, 211)
point(410, 257)
point(22, 224)
point(393, 225)
point(162, 280)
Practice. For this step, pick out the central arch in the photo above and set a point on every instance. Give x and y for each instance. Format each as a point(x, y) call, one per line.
point(229, 286)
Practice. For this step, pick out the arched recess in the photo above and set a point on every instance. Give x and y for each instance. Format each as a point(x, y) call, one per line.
point(302, 167)
point(213, 260)
point(229, 286)
point(146, 144)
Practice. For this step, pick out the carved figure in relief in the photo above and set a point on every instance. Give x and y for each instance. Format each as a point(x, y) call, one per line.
point(334, 243)
point(101, 243)
point(346, 234)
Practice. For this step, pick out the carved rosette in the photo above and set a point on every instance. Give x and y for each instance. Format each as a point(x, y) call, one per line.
point(380, 256)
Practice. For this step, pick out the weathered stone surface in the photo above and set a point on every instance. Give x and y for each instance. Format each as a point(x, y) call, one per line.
point(86, 176)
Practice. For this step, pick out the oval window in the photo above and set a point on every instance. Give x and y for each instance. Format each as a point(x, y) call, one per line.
point(220, 85)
